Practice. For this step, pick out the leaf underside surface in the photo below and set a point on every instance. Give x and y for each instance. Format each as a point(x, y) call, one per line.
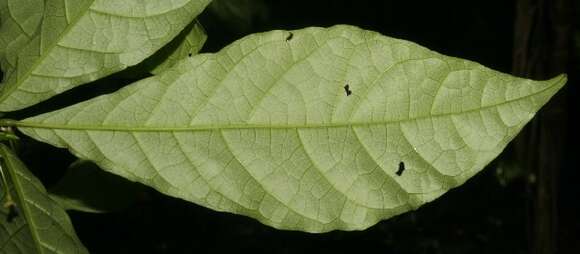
point(50, 46)
point(186, 44)
point(315, 129)
point(38, 224)
point(189, 46)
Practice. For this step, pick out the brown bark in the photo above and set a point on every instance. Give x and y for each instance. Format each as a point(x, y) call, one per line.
point(541, 49)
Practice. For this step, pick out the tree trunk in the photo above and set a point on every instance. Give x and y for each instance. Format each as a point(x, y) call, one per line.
point(542, 43)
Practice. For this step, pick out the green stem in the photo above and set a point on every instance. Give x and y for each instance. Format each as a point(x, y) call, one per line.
point(9, 201)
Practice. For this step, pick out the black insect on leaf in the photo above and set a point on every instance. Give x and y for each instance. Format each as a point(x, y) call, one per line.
point(190, 54)
point(347, 90)
point(289, 37)
point(401, 168)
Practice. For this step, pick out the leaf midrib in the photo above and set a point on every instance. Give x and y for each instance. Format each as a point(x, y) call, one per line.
point(209, 127)
point(30, 224)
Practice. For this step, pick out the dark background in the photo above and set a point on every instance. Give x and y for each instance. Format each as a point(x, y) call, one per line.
point(497, 211)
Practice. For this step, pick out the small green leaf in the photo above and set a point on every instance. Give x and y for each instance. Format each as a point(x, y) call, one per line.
point(315, 129)
point(36, 223)
point(85, 187)
point(47, 47)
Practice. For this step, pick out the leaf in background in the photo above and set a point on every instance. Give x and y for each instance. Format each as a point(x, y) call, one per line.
point(85, 187)
point(238, 15)
point(190, 42)
point(39, 224)
point(80, 41)
point(304, 130)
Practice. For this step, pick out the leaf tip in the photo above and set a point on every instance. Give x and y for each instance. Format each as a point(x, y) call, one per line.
point(559, 80)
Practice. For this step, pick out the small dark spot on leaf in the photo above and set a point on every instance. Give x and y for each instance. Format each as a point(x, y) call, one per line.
point(12, 213)
point(401, 168)
point(190, 54)
point(347, 90)
point(289, 37)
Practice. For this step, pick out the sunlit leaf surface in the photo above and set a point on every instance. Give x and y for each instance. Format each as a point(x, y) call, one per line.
point(315, 129)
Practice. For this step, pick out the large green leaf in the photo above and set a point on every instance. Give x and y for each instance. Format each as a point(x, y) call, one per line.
point(266, 127)
point(37, 224)
point(47, 47)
